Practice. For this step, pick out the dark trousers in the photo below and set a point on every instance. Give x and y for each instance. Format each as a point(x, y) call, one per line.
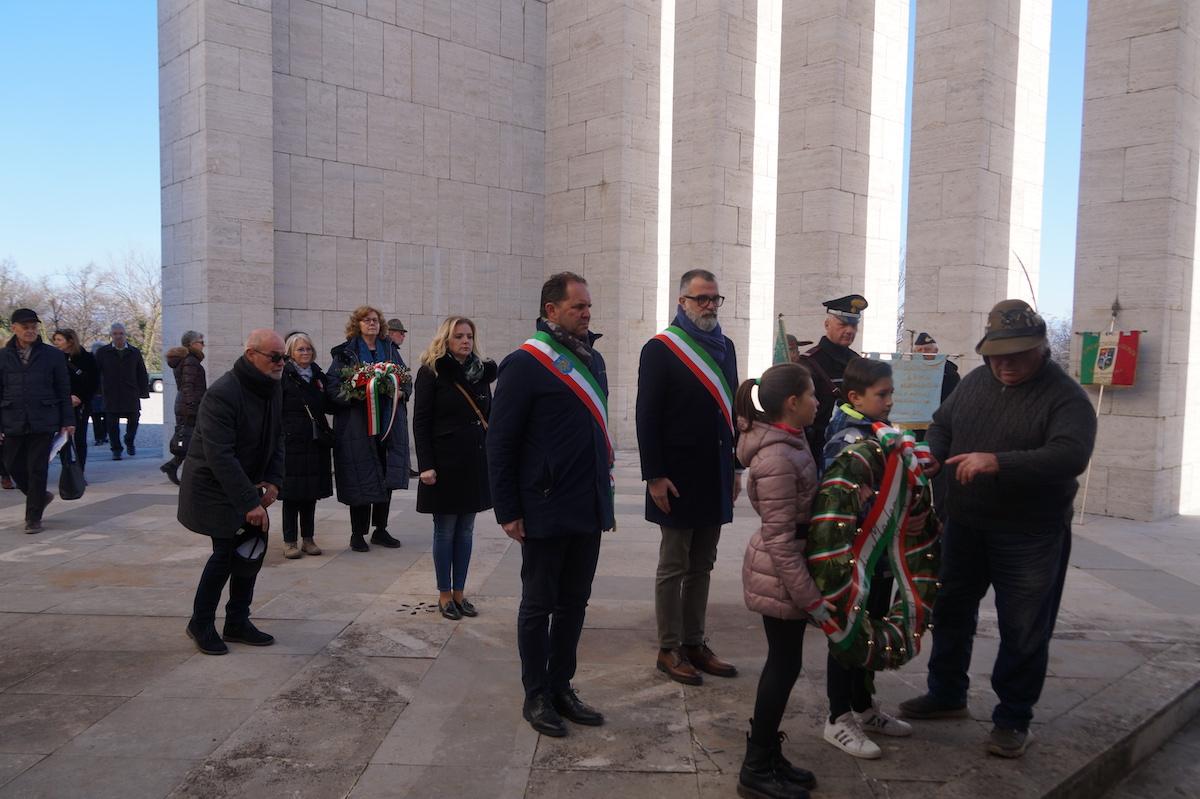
point(854, 689)
point(1027, 569)
point(685, 563)
point(113, 420)
point(225, 566)
point(556, 582)
point(299, 518)
point(27, 460)
point(363, 516)
point(785, 652)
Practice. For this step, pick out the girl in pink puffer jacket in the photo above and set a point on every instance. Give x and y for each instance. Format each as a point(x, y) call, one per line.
point(775, 580)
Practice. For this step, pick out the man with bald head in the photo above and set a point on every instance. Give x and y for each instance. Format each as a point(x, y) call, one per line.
point(231, 475)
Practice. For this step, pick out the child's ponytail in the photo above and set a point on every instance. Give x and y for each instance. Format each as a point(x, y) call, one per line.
point(743, 406)
point(781, 381)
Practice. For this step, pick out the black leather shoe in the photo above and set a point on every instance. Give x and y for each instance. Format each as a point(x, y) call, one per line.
point(132, 449)
point(384, 539)
point(542, 716)
point(171, 471)
point(116, 456)
point(358, 543)
point(450, 610)
point(466, 608)
point(33, 526)
point(569, 706)
point(206, 638)
point(247, 633)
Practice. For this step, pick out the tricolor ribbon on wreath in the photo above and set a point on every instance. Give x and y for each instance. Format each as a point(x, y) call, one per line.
point(843, 553)
point(373, 382)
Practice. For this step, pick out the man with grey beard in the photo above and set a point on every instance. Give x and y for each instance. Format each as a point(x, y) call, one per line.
point(686, 378)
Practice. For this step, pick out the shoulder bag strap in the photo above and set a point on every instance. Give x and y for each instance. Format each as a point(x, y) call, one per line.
point(467, 396)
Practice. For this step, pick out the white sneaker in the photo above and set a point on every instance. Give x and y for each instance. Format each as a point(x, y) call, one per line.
point(846, 735)
point(875, 720)
point(291, 550)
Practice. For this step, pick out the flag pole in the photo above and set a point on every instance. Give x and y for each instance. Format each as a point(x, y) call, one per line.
point(1112, 324)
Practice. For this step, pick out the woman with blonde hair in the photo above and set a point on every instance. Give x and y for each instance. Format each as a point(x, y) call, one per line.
point(307, 437)
point(452, 400)
point(367, 466)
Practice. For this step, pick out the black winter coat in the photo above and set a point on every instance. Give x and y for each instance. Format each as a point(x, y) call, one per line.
point(682, 435)
point(34, 397)
point(85, 376)
point(307, 475)
point(190, 383)
point(547, 458)
point(450, 439)
point(827, 362)
point(238, 443)
point(123, 378)
point(360, 476)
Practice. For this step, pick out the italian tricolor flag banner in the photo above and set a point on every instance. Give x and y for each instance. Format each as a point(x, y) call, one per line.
point(1109, 359)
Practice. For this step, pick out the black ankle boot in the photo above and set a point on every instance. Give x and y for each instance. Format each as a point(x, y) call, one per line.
point(759, 778)
point(171, 470)
point(358, 543)
point(800, 776)
point(206, 638)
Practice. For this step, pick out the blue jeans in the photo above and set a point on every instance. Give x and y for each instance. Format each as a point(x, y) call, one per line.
point(1027, 569)
point(452, 538)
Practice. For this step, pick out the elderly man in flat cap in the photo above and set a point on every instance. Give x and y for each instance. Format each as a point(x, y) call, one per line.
point(1015, 434)
point(827, 361)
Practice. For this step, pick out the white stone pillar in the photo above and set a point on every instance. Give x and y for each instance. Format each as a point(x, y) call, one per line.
point(978, 146)
point(1136, 243)
point(713, 155)
point(215, 106)
point(602, 178)
point(841, 152)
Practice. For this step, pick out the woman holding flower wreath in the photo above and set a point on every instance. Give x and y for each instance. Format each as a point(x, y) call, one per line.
point(451, 404)
point(370, 428)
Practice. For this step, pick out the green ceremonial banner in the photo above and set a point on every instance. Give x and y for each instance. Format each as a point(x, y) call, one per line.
point(781, 349)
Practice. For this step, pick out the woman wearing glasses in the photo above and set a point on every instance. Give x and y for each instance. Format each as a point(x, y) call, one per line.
point(367, 468)
point(307, 438)
point(450, 410)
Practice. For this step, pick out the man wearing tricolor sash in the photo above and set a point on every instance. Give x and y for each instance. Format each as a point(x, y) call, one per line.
point(550, 463)
point(686, 441)
point(1014, 436)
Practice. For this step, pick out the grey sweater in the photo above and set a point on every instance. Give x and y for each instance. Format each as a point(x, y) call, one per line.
point(1042, 432)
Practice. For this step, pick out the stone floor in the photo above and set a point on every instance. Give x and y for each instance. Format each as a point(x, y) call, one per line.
point(370, 693)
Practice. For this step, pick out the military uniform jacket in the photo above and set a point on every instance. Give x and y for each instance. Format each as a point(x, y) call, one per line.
point(828, 363)
point(683, 436)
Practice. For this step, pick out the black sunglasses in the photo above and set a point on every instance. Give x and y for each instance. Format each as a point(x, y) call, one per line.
point(273, 357)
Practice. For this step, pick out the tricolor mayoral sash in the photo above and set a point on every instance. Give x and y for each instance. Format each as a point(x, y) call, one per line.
point(847, 539)
point(702, 365)
point(565, 366)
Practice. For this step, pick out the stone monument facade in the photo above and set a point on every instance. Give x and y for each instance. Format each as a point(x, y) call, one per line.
point(433, 157)
point(1137, 245)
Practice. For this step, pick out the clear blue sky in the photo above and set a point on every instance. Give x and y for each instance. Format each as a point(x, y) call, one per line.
point(79, 169)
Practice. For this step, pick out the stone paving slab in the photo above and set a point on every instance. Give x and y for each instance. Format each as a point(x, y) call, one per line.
point(370, 693)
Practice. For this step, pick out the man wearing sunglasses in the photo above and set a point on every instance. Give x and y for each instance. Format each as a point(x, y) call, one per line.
point(685, 439)
point(827, 361)
point(231, 475)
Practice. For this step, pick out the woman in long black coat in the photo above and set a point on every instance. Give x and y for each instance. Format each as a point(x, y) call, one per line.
point(85, 379)
point(191, 381)
point(306, 446)
point(367, 468)
point(452, 401)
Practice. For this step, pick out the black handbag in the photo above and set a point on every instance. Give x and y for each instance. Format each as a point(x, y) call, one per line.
point(180, 440)
point(320, 430)
point(70, 482)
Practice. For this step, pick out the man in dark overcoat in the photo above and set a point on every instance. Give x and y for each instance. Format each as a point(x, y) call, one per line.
point(549, 464)
point(686, 378)
point(125, 384)
point(232, 474)
point(35, 405)
point(827, 362)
